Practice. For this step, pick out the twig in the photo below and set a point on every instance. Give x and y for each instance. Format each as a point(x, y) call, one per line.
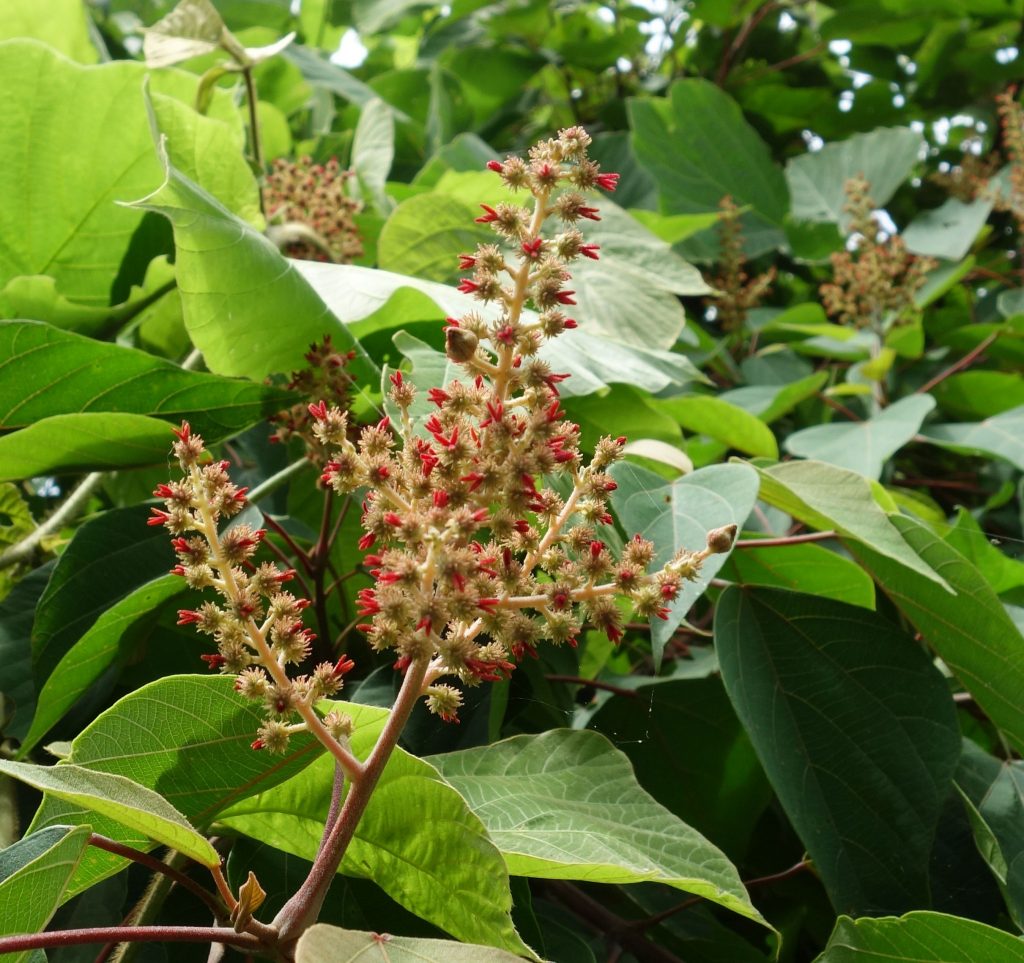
point(593, 683)
point(69, 508)
point(742, 35)
point(129, 934)
point(784, 540)
point(966, 360)
point(840, 407)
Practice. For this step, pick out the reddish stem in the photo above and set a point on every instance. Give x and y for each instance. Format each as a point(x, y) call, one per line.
point(966, 360)
point(129, 934)
point(784, 540)
point(593, 683)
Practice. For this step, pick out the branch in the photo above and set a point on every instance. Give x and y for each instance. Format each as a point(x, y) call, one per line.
point(966, 360)
point(129, 934)
point(784, 540)
point(594, 683)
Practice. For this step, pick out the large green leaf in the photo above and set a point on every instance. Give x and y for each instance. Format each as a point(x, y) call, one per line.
point(856, 730)
point(322, 942)
point(415, 831)
point(119, 798)
point(17, 611)
point(679, 515)
point(699, 148)
point(1001, 436)
point(373, 151)
point(948, 231)
point(60, 218)
point(1001, 571)
point(725, 422)
point(63, 24)
point(711, 779)
point(994, 793)
point(565, 804)
point(771, 402)
point(979, 394)
point(810, 569)
point(246, 307)
point(47, 372)
point(968, 628)
point(920, 938)
point(34, 873)
point(108, 557)
point(884, 156)
point(186, 737)
point(354, 293)
point(91, 441)
point(94, 653)
point(864, 446)
point(825, 497)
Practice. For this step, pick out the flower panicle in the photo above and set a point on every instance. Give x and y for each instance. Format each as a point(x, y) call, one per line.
point(255, 623)
point(485, 521)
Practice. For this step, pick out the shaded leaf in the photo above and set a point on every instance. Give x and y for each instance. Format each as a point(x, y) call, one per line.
point(118, 798)
point(34, 873)
point(192, 28)
point(1001, 436)
point(565, 804)
point(920, 938)
point(864, 446)
point(948, 231)
point(856, 731)
point(16, 614)
point(679, 515)
point(968, 628)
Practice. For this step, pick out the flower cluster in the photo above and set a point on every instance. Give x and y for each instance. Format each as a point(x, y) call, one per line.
point(738, 292)
point(876, 277)
point(310, 212)
point(324, 377)
point(258, 624)
point(477, 556)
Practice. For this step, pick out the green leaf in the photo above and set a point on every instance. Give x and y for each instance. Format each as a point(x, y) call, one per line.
point(699, 148)
point(92, 441)
point(236, 288)
point(805, 568)
point(192, 28)
point(920, 938)
point(355, 293)
point(884, 156)
point(415, 831)
point(93, 653)
point(187, 736)
point(711, 779)
point(108, 557)
point(856, 731)
point(68, 225)
point(948, 231)
point(565, 804)
point(993, 791)
point(373, 151)
point(771, 402)
point(34, 873)
point(118, 798)
point(322, 942)
point(979, 394)
point(63, 24)
point(827, 497)
point(679, 515)
point(723, 421)
point(864, 446)
point(968, 628)
point(16, 683)
point(1000, 571)
point(47, 372)
point(1001, 436)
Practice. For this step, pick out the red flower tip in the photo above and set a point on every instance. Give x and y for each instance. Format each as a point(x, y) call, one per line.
point(256, 744)
point(506, 335)
point(163, 491)
point(614, 634)
point(384, 424)
point(396, 379)
point(488, 605)
point(425, 624)
point(159, 517)
point(565, 297)
point(214, 660)
point(532, 249)
point(489, 215)
point(608, 181)
point(467, 262)
point(495, 166)
point(440, 498)
point(239, 496)
point(437, 396)
point(178, 570)
point(188, 616)
point(481, 515)
point(184, 432)
point(590, 250)
point(621, 440)
point(466, 286)
point(393, 519)
point(595, 548)
point(662, 613)
point(402, 663)
point(367, 541)
point(319, 410)
point(590, 213)
point(343, 665)
point(286, 576)
point(474, 479)
point(522, 526)
point(452, 323)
